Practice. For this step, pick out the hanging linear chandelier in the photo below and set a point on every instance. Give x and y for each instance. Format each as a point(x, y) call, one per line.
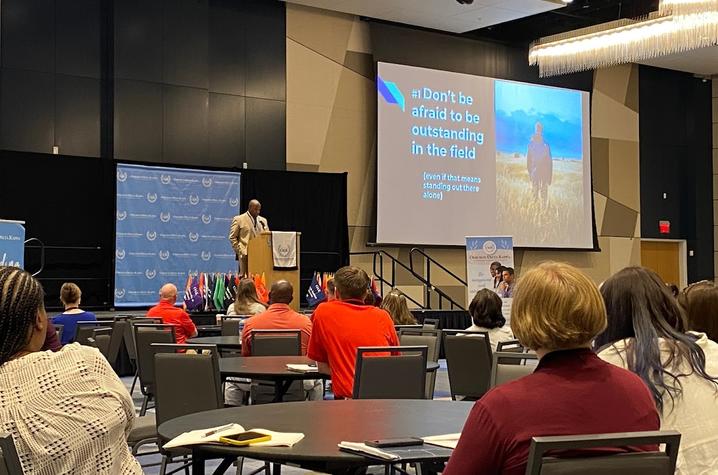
point(678, 25)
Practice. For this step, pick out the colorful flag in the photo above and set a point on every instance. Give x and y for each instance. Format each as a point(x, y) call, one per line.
point(230, 290)
point(195, 302)
point(375, 292)
point(260, 282)
point(315, 293)
point(219, 292)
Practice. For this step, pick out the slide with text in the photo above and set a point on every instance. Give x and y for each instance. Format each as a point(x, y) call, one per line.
point(462, 155)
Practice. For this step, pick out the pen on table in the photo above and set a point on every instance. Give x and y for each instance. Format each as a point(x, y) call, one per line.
point(218, 429)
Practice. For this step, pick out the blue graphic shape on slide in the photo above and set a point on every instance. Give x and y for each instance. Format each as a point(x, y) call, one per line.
point(519, 107)
point(390, 92)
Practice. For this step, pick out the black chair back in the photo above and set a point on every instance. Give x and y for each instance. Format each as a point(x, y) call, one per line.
point(432, 340)
point(232, 325)
point(9, 460)
point(399, 375)
point(129, 336)
point(175, 368)
point(101, 340)
point(145, 335)
point(276, 342)
point(508, 366)
point(85, 330)
point(431, 323)
point(468, 361)
point(630, 463)
point(510, 346)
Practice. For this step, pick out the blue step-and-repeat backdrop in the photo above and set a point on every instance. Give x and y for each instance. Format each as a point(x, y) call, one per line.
point(170, 222)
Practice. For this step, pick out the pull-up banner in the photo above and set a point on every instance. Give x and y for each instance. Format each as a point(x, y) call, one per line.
point(170, 222)
point(12, 243)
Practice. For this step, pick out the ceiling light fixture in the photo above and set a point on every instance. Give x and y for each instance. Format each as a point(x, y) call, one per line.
point(679, 25)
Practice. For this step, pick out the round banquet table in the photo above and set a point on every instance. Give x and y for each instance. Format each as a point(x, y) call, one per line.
point(222, 342)
point(324, 424)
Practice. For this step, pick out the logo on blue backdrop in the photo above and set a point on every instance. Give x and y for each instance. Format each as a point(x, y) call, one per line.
point(234, 202)
point(489, 247)
point(167, 245)
point(390, 92)
point(121, 215)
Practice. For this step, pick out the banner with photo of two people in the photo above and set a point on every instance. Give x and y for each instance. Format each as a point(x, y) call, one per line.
point(170, 223)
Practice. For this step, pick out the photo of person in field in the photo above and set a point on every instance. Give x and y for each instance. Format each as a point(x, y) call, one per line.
point(539, 163)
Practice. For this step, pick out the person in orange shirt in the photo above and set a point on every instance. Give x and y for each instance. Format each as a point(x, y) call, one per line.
point(171, 315)
point(342, 325)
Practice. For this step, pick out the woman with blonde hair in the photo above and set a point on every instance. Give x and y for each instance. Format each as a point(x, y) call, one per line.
point(557, 311)
point(395, 304)
point(70, 296)
point(246, 302)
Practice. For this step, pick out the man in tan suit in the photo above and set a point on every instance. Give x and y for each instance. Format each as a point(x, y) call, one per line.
point(243, 228)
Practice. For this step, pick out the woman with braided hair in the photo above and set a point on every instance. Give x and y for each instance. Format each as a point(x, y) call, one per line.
point(67, 411)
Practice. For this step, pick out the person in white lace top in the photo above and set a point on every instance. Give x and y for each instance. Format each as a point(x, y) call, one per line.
point(67, 412)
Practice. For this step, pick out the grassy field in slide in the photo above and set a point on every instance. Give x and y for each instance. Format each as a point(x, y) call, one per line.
point(527, 218)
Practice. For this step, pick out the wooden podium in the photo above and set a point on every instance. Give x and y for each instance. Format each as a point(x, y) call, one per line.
point(259, 252)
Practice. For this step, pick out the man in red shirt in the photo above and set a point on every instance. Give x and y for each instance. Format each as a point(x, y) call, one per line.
point(171, 315)
point(277, 317)
point(557, 311)
point(342, 325)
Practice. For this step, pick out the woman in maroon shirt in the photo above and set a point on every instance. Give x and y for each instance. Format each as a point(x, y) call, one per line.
point(557, 311)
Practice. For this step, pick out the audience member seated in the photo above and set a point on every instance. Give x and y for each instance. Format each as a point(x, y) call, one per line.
point(52, 342)
point(67, 411)
point(343, 325)
point(506, 287)
point(485, 311)
point(557, 311)
point(246, 301)
point(171, 315)
point(395, 304)
point(700, 303)
point(279, 316)
point(331, 290)
point(646, 334)
point(70, 296)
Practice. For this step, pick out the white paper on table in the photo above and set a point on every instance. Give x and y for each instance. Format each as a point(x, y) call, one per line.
point(279, 439)
point(199, 436)
point(302, 368)
point(363, 448)
point(446, 440)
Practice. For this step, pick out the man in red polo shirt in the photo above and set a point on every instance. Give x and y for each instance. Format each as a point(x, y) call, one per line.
point(165, 309)
point(342, 325)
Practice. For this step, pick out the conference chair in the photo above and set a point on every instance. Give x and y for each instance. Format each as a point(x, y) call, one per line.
point(468, 363)
point(58, 330)
point(275, 343)
point(399, 328)
point(510, 346)
point(9, 460)
point(432, 340)
point(431, 323)
point(661, 462)
point(85, 330)
point(145, 335)
point(129, 340)
point(508, 366)
point(401, 374)
point(174, 370)
point(100, 339)
point(232, 324)
point(120, 323)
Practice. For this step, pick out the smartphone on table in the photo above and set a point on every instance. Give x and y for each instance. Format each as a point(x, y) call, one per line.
point(245, 438)
point(400, 442)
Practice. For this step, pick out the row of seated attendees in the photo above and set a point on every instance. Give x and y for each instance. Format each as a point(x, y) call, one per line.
point(628, 356)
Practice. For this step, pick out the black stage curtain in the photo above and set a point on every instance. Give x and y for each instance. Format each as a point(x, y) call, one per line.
point(68, 203)
point(314, 204)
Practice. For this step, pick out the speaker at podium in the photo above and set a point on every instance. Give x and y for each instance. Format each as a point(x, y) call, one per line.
point(277, 255)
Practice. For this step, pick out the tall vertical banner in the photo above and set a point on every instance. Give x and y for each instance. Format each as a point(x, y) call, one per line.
point(12, 243)
point(170, 222)
point(481, 252)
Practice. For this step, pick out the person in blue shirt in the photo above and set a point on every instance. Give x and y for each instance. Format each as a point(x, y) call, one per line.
point(70, 295)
